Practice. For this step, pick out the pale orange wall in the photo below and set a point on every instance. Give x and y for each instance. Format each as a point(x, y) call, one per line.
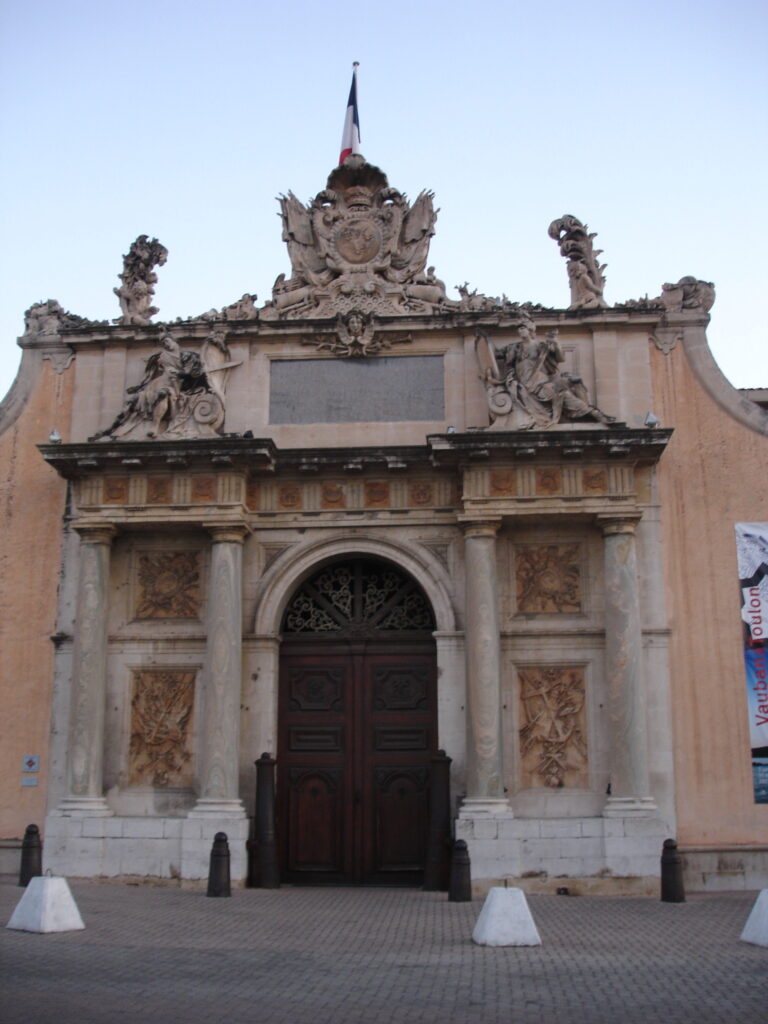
point(712, 475)
point(33, 498)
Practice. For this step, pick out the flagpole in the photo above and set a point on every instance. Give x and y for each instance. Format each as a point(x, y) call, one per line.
point(350, 137)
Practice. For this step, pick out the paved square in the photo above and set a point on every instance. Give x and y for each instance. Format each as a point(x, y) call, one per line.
point(394, 956)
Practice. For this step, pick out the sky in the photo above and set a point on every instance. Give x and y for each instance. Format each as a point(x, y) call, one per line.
point(184, 119)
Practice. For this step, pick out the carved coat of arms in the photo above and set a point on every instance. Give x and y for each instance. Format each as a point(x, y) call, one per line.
point(358, 245)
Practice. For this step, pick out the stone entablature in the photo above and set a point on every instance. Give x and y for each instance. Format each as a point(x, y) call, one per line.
point(590, 472)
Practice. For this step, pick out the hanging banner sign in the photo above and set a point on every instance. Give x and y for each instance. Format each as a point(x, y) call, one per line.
point(752, 551)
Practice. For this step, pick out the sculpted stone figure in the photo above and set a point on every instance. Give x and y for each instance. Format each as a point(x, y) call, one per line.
point(243, 309)
point(585, 273)
point(181, 394)
point(355, 336)
point(688, 293)
point(138, 281)
point(45, 318)
point(525, 386)
point(358, 245)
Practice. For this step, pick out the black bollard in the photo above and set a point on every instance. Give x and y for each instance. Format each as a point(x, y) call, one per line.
point(218, 873)
point(672, 888)
point(31, 855)
point(268, 876)
point(437, 868)
point(460, 886)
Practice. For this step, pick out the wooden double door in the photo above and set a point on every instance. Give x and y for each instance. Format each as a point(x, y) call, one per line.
point(357, 731)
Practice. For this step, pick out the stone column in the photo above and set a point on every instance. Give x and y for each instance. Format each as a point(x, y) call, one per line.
point(629, 779)
point(89, 676)
point(485, 776)
point(219, 733)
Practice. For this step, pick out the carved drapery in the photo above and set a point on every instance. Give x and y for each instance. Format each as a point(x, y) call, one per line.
point(485, 786)
point(89, 659)
point(629, 780)
point(222, 678)
point(553, 734)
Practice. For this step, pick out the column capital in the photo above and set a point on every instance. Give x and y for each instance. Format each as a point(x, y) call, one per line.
point(96, 533)
point(613, 524)
point(227, 533)
point(488, 526)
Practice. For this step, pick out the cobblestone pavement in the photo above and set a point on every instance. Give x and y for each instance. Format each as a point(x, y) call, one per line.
point(347, 956)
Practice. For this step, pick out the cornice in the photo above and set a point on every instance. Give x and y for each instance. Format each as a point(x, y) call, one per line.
point(261, 455)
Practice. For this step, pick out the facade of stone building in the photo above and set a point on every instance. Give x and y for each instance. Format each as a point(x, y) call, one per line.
point(363, 524)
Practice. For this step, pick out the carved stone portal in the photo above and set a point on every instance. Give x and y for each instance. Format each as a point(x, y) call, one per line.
point(548, 578)
point(161, 716)
point(168, 585)
point(553, 734)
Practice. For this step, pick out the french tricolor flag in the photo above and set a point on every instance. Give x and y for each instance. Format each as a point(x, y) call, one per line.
point(350, 137)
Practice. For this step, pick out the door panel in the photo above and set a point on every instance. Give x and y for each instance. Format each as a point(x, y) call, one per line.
point(400, 823)
point(315, 811)
point(357, 729)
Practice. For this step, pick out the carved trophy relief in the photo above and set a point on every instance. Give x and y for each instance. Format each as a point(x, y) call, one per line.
point(168, 585)
point(553, 732)
point(526, 387)
point(585, 273)
point(138, 281)
point(161, 716)
point(688, 294)
point(359, 247)
point(50, 318)
point(181, 395)
point(548, 578)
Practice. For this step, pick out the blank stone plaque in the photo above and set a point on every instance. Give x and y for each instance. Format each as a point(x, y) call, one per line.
point(384, 389)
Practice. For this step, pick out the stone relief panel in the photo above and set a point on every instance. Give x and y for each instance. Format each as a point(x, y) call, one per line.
point(180, 396)
point(553, 727)
point(312, 495)
point(527, 386)
point(160, 750)
point(548, 578)
point(168, 585)
point(115, 490)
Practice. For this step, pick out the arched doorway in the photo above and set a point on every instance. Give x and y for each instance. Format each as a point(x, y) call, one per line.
point(357, 726)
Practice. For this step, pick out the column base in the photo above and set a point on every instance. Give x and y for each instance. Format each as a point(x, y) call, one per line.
point(630, 807)
point(209, 808)
point(84, 807)
point(473, 807)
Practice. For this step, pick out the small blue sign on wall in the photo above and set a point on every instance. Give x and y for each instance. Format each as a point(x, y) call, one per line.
point(30, 763)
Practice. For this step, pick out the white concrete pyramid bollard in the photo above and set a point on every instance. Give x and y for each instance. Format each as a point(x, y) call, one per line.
point(46, 906)
point(756, 928)
point(506, 920)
